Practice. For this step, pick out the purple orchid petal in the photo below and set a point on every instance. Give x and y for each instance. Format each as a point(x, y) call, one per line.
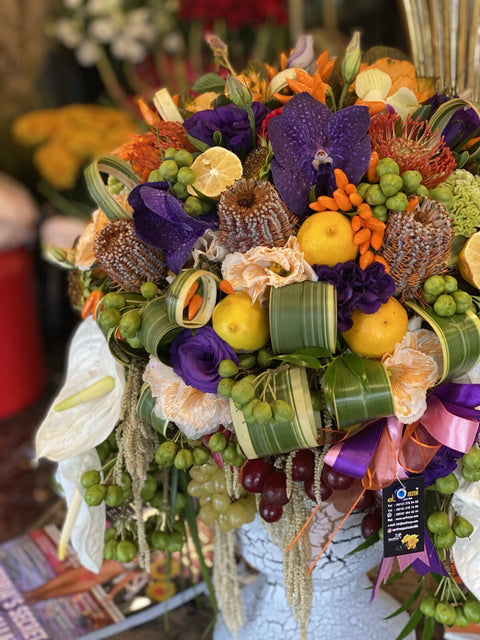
point(294, 188)
point(161, 222)
point(352, 148)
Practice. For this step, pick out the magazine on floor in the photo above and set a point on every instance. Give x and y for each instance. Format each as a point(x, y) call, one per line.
point(43, 598)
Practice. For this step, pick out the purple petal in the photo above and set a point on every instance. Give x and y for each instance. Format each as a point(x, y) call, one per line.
point(348, 141)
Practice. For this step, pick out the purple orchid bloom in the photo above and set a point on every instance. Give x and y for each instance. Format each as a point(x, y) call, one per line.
point(231, 121)
point(161, 222)
point(195, 357)
point(309, 142)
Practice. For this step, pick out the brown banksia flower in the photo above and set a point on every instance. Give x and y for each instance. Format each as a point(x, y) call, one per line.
point(416, 245)
point(254, 163)
point(127, 260)
point(252, 214)
point(75, 288)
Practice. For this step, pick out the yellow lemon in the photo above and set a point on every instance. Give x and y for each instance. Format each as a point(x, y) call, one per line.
point(327, 238)
point(242, 325)
point(469, 260)
point(375, 334)
point(215, 170)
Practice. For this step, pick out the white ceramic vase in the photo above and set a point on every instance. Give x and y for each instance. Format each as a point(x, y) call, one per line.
point(342, 606)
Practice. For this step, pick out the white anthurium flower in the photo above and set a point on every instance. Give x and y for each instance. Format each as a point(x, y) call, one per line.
point(466, 551)
point(84, 526)
point(373, 85)
point(72, 431)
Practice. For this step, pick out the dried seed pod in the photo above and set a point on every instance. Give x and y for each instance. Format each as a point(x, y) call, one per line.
point(416, 245)
point(127, 260)
point(252, 214)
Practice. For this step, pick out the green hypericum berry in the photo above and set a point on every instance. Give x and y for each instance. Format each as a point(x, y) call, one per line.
point(451, 284)
point(282, 411)
point(104, 450)
point(186, 176)
point(229, 454)
point(113, 300)
point(438, 522)
point(471, 609)
point(375, 195)
point(169, 153)
point(168, 170)
point(180, 502)
point(179, 191)
point(165, 454)
point(183, 459)
point(445, 540)
point(362, 188)
point(183, 158)
point(95, 495)
point(135, 342)
point(227, 368)
point(149, 488)
point(149, 290)
point(442, 194)
point(242, 392)
point(470, 474)
point(155, 176)
point(200, 456)
point(462, 527)
point(248, 408)
point(447, 485)
point(398, 202)
point(460, 617)
point(110, 550)
point(159, 540)
point(129, 324)
point(463, 301)
point(110, 534)
point(89, 478)
point(471, 459)
point(114, 495)
point(428, 604)
point(175, 542)
point(217, 442)
point(390, 184)
point(380, 212)
point(262, 413)
point(444, 614)
point(247, 360)
point(422, 191)
point(445, 305)
point(387, 165)
point(225, 386)
point(109, 318)
point(264, 358)
point(193, 206)
point(411, 181)
point(115, 186)
point(434, 286)
point(126, 551)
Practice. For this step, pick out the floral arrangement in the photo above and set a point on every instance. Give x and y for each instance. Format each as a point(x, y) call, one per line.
point(278, 294)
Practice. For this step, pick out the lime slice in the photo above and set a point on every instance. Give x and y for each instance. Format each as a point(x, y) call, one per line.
point(215, 170)
point(469, 260)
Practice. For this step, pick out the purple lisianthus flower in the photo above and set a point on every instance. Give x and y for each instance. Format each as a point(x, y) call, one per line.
point(461, 125)
point(195, 358)
point(231, 121)
point(161, 222)
point(309, 142)
point(357, 288)
point(303, 54)
point(442, 463)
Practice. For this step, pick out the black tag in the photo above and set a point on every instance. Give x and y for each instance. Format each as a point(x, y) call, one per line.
point(403, 517)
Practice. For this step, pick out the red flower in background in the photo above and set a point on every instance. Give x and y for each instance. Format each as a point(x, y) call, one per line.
point(236, 14)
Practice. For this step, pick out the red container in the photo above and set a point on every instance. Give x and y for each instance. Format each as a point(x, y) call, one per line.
point(22, 363)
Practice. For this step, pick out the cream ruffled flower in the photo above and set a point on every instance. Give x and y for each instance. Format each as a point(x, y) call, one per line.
point(413, 370)
point(195, 413)
point(260, 268)
point(208, 246)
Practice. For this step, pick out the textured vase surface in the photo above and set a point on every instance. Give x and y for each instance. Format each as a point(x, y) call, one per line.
point(342, 607)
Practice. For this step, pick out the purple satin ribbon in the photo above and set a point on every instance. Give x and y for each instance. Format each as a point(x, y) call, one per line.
point(426, 561)
point(353, 456)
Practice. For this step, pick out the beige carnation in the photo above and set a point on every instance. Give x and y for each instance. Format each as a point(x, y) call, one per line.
point(195, 413)
point(260, 268)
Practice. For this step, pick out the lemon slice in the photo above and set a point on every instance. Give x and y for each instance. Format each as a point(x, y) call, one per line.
point(469, 260)
point(215, 169)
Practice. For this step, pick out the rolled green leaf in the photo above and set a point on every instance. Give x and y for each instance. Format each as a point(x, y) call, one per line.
point(289, 384)
point(459, 337)
point(357, 389)
point(157, 331)
point(303, 314)
point(179, 290)
point(101, 195)
point(146, 411)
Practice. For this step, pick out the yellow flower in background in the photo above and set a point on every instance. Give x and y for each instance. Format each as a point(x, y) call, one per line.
point(68, 138)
